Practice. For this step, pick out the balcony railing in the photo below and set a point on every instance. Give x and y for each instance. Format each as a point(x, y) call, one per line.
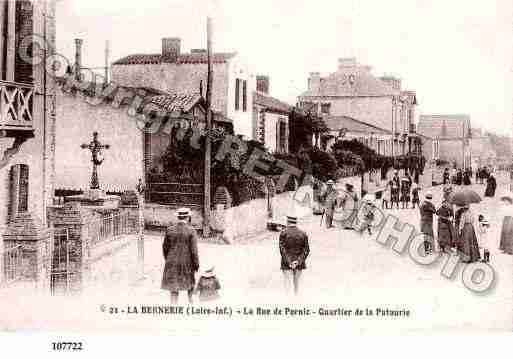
point(16, 108)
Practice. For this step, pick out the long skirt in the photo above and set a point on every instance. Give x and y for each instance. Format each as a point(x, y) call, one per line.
point(506, 243)
point(468, 244)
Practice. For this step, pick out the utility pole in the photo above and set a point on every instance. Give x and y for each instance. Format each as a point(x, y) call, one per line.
point(107, 54)
point(208, 127)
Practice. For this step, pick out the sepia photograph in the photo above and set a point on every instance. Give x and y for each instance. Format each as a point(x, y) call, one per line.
point(218, 166)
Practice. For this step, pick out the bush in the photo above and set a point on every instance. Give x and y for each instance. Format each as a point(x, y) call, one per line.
point(324, 164)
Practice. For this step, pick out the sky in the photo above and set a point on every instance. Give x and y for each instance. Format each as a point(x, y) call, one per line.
point(457, 55)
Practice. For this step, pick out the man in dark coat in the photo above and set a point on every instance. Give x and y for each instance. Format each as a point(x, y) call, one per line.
point(446, 237)
point(427, 210)
point(446, 176)
point(491, 186)
point(180, 250)
point(294, 250)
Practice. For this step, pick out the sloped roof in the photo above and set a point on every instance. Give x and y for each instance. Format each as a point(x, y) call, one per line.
point(176, 102)
point(188, 58)
point(270, 103)
point(364, 84)
point(444, 126)
point(336, 123)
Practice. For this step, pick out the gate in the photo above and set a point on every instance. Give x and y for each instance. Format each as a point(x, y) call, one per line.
point(61, 272)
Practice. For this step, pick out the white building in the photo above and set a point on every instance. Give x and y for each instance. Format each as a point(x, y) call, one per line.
point(173, 71)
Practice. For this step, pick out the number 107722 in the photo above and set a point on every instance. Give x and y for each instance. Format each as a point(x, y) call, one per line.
point(66, 346)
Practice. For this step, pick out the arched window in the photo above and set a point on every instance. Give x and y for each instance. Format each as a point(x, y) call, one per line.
point(18, 189)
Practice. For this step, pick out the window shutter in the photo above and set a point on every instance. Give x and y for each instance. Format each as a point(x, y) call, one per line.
point(237, 90)
point(277, 136)
point(244, 96)
point(18, 190)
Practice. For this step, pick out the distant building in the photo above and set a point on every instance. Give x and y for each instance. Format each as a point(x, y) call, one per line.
point(353, 92)
point(270, 118)
point(451, 136)
point(176, 72)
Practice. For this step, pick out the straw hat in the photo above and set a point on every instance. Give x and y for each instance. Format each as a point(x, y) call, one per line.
point(429, 195)
point(291, 219)
point(209, 272)
point(183, 213)
point(330, 182)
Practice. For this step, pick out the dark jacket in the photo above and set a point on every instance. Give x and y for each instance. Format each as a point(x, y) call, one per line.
point(491, 186)
point(427, 210)
point(207, 288)
point(293, 247)
point(180, 250)
point(446, 236)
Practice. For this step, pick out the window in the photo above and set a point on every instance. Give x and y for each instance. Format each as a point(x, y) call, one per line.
point(244, 96)
point(18, 190)
point(237, 90)
point(325, 108)
point(282, 138)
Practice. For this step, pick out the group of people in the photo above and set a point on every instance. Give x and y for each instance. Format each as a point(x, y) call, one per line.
point(401, 191)
point(180, 250)
point(458, 176)
point(458, 231)
point(464, 177)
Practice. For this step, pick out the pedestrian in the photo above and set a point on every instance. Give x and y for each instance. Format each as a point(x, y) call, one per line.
point(405, 193)
point(395, 194)
point(294, 250)
point(506, 240)
point(427, 211)
point(459, 177)
point(466, 178)
point(483, 226)
point(491, 186)
point(180, 249)
point(445, 228)
point(415, 200)
point(386, 196)
point(468, 243)
point(446, 176)
point(329, 201)
point(478, 175)
point(208, 286)
point(368, 207)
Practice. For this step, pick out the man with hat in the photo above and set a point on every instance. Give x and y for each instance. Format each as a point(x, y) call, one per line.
point(294, 250)
point(427, 211)
point(180, 250)
point(329, 199)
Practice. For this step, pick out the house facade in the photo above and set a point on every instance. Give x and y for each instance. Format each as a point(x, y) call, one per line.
point(27, 110)
point(451, 136)
point(174, 71)
point(354, 92)
point(270, 118)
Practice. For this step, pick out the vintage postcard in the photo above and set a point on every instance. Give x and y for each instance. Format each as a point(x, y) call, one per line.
point(194, 166)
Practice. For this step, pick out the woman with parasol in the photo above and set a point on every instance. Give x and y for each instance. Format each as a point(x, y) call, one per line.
point(466, 225)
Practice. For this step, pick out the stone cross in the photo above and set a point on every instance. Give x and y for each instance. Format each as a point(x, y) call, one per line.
point(96, 148)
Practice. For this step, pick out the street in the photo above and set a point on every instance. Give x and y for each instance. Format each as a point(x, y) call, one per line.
point(346, 272)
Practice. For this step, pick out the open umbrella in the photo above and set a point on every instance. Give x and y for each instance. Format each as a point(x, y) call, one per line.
point(463, 197)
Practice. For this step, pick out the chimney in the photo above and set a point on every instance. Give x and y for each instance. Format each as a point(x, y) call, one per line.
point(347, 62)
point(262, 84)
point(392, 81)
point(78, 58)
point(314, 82)
point(171, 48)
